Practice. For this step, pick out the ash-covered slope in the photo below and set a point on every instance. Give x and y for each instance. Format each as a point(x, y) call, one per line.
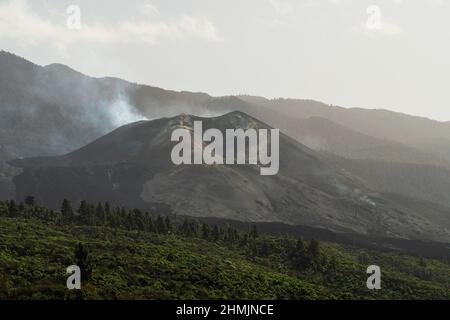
point(132, 166)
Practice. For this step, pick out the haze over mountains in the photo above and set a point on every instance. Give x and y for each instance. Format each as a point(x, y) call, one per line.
point(78, 109)
point(366, 171)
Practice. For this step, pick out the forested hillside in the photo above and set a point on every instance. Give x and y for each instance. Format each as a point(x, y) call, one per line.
point(131, 254)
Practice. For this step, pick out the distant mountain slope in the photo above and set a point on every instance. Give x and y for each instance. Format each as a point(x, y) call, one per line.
point(53, 110)
point(325, 135)
point(131, 166)
point(425, 134)
point(321, 134)
point(426, 182)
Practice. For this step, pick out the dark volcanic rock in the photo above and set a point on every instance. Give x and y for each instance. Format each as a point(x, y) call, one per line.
point(131, 166)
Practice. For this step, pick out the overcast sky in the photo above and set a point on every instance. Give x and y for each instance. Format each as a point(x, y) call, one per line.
point(389, 54)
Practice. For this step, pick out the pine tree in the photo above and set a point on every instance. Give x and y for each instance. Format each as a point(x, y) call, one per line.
point(300, 245)
point(205, 231)
point(193, 228)
point(331, 269)
point(66, 211)
point(265, 248)
point(83, 261)
point(124, 220)
point(139, 222)
point(254, 232)
point(21, 210)
point(161, 225)
point(363, 258)
point(215, 234)
point(299, 255)
point(150, 225)
point(100, 215)
point(91, 215)
point(244, 241)
point(168, 225)
point(313, 249)
point(313, 254)
point(3, 209)
point(183, 229)
point(107, 209)
point(83, 211)
point(12, 209)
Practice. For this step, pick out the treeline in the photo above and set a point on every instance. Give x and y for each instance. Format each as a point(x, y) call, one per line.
point(299, 254)
point(122, 230)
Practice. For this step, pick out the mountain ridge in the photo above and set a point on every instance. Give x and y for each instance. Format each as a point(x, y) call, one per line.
point(131, 166)
point(54, 110)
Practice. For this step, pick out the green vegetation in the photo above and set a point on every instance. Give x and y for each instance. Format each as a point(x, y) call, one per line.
point(130, 254)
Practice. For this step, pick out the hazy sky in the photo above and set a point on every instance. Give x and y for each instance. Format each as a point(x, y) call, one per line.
point(391, 54)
